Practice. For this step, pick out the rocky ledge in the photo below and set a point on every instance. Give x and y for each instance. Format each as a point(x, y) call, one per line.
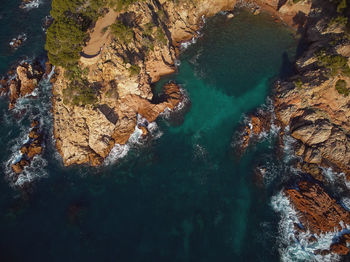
point(319, 213)
point(21, 81)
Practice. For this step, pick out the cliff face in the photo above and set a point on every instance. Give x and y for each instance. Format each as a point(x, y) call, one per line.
point(314, 103)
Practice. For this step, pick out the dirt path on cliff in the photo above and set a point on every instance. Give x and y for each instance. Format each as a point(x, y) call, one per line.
point(98, 38)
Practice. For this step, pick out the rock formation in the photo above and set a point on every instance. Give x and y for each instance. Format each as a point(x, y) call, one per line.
point(320, 213)
point(311, 103)
point(30, 149)
point(21, 81)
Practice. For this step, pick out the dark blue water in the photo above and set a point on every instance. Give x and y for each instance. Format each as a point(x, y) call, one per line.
point(186, 196)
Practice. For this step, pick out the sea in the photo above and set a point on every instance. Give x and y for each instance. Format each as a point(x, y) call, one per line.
point(184, 194)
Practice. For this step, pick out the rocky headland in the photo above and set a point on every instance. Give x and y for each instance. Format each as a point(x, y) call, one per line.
point(119, 71)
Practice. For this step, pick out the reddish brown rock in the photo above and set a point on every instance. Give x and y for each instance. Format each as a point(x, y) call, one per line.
point(48, 68)
point(27, 84)
point(318, 212)
point(258, 123)
point(30, 149)
point(14, 93)
point(19, 166)
point(25, 79)
point(34, 134)
point(34, 149)
point(144, 130)
point(339, 248)
point(34, 123)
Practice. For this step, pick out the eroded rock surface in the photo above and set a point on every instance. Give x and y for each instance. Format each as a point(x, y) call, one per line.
point(21, 81)
point(318, 212)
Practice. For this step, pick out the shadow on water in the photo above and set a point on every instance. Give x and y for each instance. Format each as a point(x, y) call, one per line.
point(287, 67)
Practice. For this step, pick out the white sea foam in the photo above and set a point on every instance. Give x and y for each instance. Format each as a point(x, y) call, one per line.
point(345, 201)
point(288, 148)
point(117, 152)
point(136, 140)
point(30, 173)
point(22, 37)
point(298, 247)
point(31, 5)
point(199, 151)
point(333, 177)
point(35, 171)
point(177, 62)
point(186, 44)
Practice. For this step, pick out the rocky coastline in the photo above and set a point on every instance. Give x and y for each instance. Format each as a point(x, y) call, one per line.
point(127, 69)
point(308, 106)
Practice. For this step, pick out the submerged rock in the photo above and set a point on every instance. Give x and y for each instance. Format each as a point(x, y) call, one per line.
point(256, 125)
point(18, 41)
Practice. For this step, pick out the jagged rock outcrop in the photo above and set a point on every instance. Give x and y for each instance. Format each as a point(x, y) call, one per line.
point(29, 150)
point(16, 42)
point(320, 213)
point(255, 125)
point(21, 81)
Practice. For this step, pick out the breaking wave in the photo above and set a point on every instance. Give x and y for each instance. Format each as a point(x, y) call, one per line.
point(31, 4)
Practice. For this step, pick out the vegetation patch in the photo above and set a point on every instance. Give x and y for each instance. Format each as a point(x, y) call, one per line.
point(122, 32)
point(134, 70)
point(342, 88)
point(67, 33)
point(80, 93)
point(339, 20)
point(161, 37)
point(298, 83)
point(334, 63)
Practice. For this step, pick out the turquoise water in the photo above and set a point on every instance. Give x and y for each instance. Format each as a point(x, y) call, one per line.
point(185, 196)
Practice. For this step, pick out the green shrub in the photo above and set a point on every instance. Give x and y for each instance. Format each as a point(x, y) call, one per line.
point(160, 36)
point(335, 63)
point(72, 18)
point(134, 70)
point(341, 6)
point(122, 32)
point(148, 29)
point(342, 88)
point(79, 93)
point(298, 83)
point(67, 33)
point(339, 20)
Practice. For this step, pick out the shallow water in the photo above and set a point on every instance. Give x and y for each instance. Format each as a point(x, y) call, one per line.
point(185, 196)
